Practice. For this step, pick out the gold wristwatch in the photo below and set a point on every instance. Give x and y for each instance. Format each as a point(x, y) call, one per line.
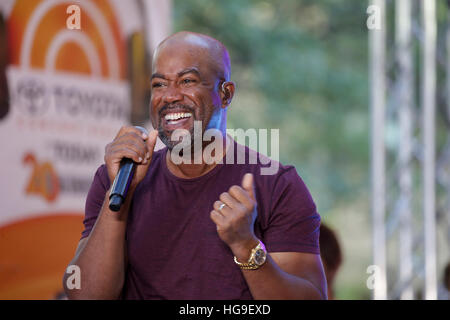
point(256, 260)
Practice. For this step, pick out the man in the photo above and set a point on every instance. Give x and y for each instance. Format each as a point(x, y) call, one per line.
point(444, 287)
point(196, 230)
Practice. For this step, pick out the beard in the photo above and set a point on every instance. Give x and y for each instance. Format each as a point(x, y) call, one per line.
point(166, 137)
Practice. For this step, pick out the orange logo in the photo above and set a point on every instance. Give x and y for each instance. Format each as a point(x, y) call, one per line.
point(38, 38)
point(43, 180)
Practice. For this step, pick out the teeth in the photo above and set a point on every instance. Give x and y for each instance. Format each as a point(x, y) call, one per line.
point(178, 115)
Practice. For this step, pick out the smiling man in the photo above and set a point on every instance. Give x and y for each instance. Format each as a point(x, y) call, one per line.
point(196, 230)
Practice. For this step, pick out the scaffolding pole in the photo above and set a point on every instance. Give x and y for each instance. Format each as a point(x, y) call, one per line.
point(404, 100)
point(447, 44)
point(378, 106)
point(428, 126)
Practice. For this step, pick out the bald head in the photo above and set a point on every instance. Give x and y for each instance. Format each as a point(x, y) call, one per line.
point(210, 50)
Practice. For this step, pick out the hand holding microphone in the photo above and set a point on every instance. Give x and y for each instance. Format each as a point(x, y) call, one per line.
point(127, 160)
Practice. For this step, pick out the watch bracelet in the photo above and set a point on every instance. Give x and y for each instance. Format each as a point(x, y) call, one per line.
point(246, 266)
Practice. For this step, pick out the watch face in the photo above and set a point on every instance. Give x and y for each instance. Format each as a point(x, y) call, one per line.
point(260, 257)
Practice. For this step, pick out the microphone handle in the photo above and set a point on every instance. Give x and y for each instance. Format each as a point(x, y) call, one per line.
point(121, 184)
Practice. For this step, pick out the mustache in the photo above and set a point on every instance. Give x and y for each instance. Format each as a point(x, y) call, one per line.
point(168, 107)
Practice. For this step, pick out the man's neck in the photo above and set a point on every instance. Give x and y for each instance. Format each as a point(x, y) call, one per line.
point(196, 168)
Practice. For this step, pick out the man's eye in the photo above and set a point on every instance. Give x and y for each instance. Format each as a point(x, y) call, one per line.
point(157, 84)
point(187, 81)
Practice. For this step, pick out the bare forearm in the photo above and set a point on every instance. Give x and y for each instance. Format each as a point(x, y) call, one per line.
point(270, 282)
point(102, 258)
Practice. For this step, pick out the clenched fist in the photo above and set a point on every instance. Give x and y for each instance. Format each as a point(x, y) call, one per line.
point(234, 215)
point(130, 143)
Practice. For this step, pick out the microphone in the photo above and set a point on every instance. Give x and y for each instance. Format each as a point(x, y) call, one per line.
point(122, 181)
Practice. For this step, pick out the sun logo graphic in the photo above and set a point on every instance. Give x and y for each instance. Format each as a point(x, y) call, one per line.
point(39, 38)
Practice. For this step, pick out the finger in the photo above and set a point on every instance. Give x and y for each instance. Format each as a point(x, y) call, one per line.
point(241, 196)
point(131, 136)
point(137, 143)
point(149, 147)
point(138, 146)
point(128, 129)
point(223, 210)
point(247, 185)
point(121, 132)
point(217, 218)
point(226, 198)
point(125, 152)
point(151, 142)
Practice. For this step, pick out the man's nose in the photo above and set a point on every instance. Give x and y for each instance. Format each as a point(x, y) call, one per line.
point(172, 95)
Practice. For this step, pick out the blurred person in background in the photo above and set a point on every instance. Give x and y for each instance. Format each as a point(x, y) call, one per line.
point(331, 253)
point(444, 288)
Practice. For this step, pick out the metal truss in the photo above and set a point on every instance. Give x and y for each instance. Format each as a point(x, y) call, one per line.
point(410, 172)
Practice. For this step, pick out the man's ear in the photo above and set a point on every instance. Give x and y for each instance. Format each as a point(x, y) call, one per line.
point(226, 93)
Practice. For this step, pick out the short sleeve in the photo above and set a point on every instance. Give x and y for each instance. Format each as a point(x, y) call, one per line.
point(294, 223)
point(94, 199)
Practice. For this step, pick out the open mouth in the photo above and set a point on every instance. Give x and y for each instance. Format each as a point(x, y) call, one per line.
point(177, 117)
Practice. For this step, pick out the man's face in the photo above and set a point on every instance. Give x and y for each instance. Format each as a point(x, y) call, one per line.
point(184, 89)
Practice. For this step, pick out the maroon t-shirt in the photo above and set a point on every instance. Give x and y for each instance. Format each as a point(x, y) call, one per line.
point(174, 251)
